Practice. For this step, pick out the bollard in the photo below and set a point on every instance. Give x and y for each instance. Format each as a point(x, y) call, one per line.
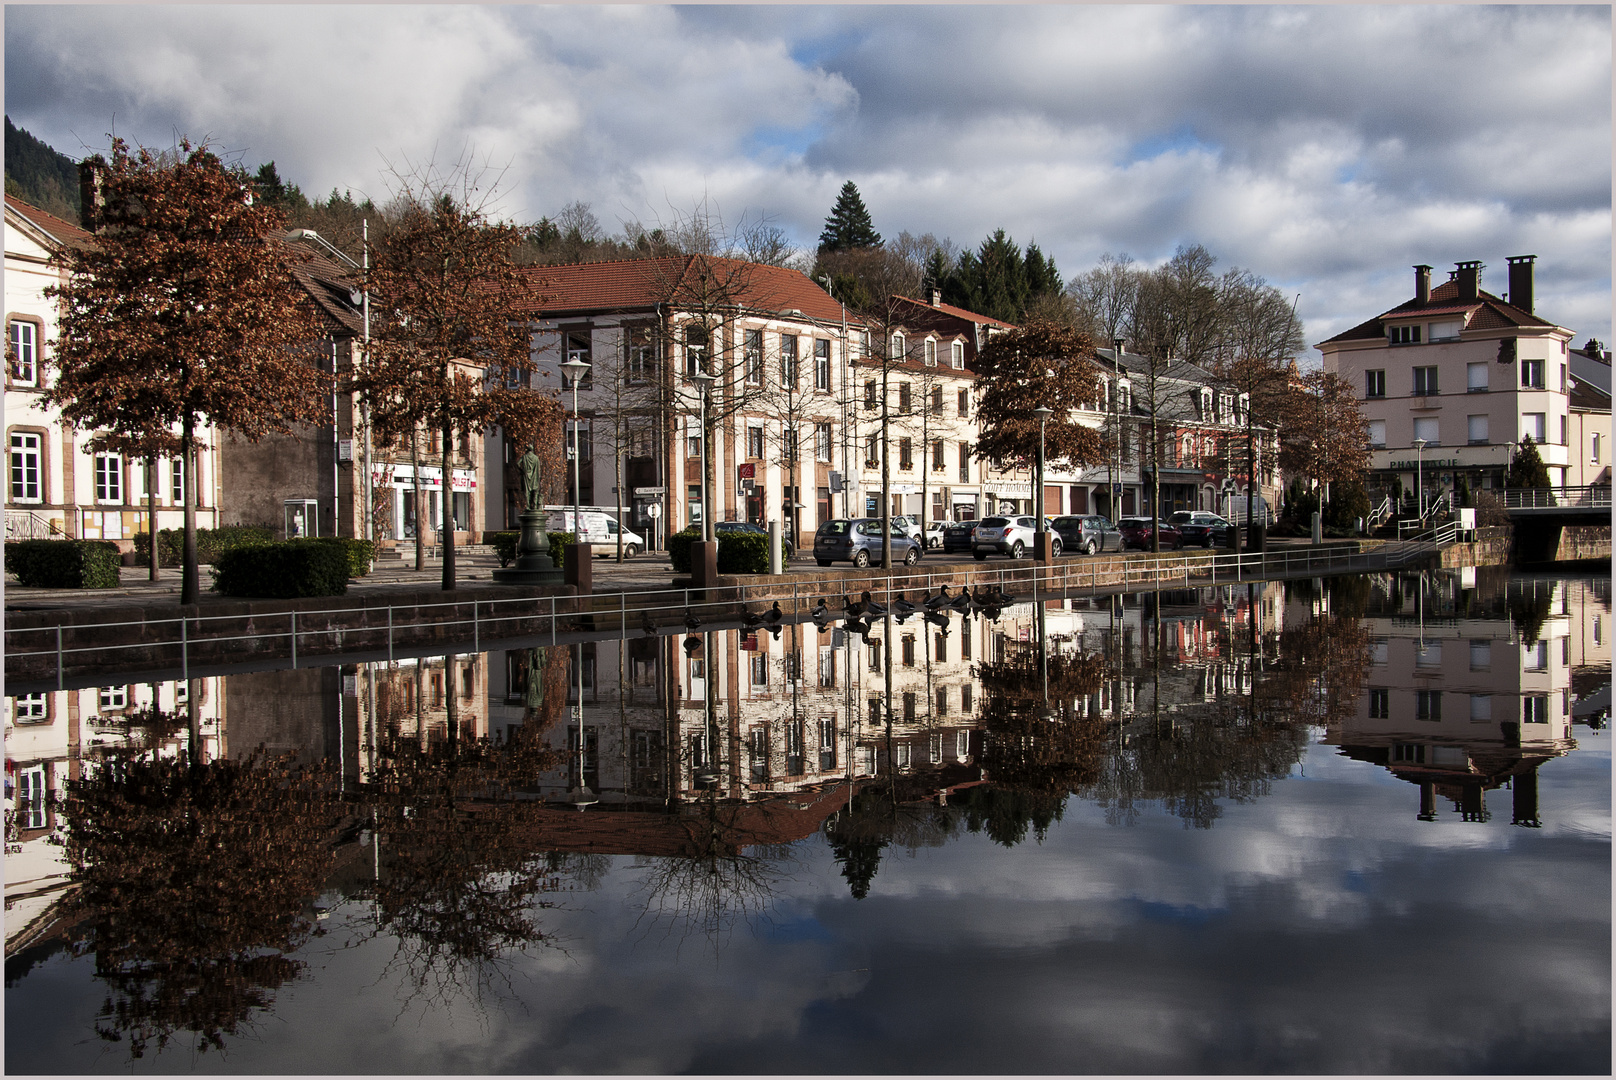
point(294, 641)
point(58, 658)
point(774, 548)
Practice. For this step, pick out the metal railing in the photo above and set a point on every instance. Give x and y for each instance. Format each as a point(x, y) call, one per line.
point(28, 525)
point(273, 636)
point(1583, 497)
point(1379, 514)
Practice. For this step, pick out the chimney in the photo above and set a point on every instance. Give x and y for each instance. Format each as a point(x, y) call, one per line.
point(1520, 281)
point(91, 197)
point(936, 297)
point(1422, 284)
point(1469, 279)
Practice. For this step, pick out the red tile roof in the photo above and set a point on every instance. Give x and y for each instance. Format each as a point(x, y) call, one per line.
point(958, 313)
point(62, 229)
point(1490, 313)
point(680, 282)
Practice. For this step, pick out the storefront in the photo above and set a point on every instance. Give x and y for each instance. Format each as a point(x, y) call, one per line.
point(401, 480)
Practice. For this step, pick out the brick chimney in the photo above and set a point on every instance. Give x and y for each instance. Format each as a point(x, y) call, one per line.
point(1469, 278)
point(1422, 284)
point(91, 196)
point(1520, 281)
point(936, 297)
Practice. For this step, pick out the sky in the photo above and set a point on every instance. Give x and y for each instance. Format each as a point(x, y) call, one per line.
point(1327, 149)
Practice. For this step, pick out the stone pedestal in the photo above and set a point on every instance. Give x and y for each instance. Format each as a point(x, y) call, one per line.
point(533, 565)
point(704, 564)
point(1043, 547)
point(579, 567)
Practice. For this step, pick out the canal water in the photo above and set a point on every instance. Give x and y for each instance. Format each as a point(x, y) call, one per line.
point(1341, 825)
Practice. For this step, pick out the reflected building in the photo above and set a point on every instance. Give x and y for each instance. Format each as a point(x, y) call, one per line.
point(1470, 685)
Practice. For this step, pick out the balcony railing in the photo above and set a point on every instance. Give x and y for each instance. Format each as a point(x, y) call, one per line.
point(1591, 495)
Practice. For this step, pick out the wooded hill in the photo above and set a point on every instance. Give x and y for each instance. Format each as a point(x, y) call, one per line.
point(40, 176)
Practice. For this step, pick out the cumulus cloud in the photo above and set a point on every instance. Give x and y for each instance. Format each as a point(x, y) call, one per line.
point(1326, 148)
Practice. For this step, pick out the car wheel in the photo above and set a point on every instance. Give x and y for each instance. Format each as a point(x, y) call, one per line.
point(1017, 549)
point(912, 557)
point(822, 562)
point(1091, 547)
point(861, 559)
point(1055, 547)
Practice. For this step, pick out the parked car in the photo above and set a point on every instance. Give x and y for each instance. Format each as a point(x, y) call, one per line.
point(910, 525)
point(600, 530)
point(1088, 533)
point(1263, 514)
point(1137, 532)
point(1201, 527)
point(957, 536)
point(934, 536)
point(1012, 536)
point(748, 527)
point(858, 541)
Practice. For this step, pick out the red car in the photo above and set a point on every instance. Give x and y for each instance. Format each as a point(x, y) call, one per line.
point(1136, 533)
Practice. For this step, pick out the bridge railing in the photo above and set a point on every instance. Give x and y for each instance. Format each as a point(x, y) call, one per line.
point(1590, 496)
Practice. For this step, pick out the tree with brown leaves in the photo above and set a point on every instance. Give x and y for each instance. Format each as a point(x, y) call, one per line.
point(182, 314)
point(446, 354)
point(1038, 364)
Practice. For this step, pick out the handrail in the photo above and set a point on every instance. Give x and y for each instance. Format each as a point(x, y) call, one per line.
point(1379, 514)
point(28, 525)
point(1587, 495)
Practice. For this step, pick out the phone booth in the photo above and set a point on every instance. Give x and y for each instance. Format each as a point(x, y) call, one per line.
point(302, 518)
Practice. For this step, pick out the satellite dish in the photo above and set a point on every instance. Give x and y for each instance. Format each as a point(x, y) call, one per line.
point(356, 297)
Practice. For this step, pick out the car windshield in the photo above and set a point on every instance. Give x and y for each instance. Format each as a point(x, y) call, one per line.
point(834, 528)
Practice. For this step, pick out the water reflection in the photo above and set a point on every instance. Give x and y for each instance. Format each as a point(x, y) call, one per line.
point(195, 840)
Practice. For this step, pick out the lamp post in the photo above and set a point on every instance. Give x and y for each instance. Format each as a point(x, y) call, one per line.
point(363, 302)
point(1043, 413)
point(575, 369)
point(704, 381)
point(1419, 484)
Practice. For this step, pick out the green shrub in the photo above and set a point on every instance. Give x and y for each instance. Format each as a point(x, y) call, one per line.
point(64, 564)
point(359, 552)
point(679, 549)
point(285, 568)
point(558, 547)
point(504, 545)
point(210, 543)
point(743, 553)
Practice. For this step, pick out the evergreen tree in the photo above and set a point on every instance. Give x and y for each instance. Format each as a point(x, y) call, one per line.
point(1527, 470)
point(1001, 281)
point(39, 176)
point(849, 227)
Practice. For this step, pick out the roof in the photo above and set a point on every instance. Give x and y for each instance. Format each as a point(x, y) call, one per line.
point(681, 282)
point(1587, 396)
point(1486, 312)
point(60, 230)
point(330, 286)
point(956, 312)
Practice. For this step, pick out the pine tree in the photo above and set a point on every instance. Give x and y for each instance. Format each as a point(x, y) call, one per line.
point(849, 226)
point(1527, 470)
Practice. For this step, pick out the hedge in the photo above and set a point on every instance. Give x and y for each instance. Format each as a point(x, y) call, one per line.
point(286, 568)
point(360, 552)
point(738, 552)
point(64, 564)
point(679, 549)
point(504, 545)
point(210, 543)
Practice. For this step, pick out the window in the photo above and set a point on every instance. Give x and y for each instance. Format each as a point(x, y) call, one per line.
point(29, 709)
point(112, 698)
point(31, 812)
point(788, 361)
point(956, 358)
point(696, 344)
point(1447, 330)
point(108, 478)
point(1564, 434)
point(872, 451)
point(870, 400)
point(584, 431)
point(905, 455)
point(693, 504)
point(827, 668)
point(1425, 381)
point(1476, 378)
point(27, 456)
point(904, 397)
point(910, 706)
point(1428, 654)
point(1427, 428)
point(1476, 428)
point(1378, 651)
point(790, 441)
point(908, 650)
point(903, 756)
point(1593, 448)
point(940, 650)
point(931, 352)
point(1536, 656)
point(1481, 655)
point(1531, 374)
point(823, 444)
point(1403, 335)
point(1481, 708)
point(875, 655)
point(964, 402)
point(937, 400)
point(693, 438)
point(1380, 704)
point(1599, 628)
point(1534, 708)
point(873, 715)
point(827, 744)
point(898, 347)
point(24, 353)
point(936, 749)
point(1534, 424)
point(794, 762)
point(965, 462)
point(937, 455)
point(754, 440)
point(962, 744)
point(1377, 433)
point(821, 364)
point(576, 347)
point(966, 690)
point(176, 482)
point(760, 669)
point(1428, 705)
point(752, 357)
point(639, 353)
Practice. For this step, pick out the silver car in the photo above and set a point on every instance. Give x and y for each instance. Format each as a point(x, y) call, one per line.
point(1012, 536)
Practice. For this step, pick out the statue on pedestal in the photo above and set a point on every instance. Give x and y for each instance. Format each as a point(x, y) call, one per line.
point(532, 467)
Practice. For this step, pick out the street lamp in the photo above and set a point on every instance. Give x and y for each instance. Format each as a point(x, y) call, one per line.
point(1043, 413)
point(575, 369)
point(1419, 486)
point(361, 298)
point(704, 381)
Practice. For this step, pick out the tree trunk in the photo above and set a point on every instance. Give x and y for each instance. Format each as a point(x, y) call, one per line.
point(189, 579)
point(415, 500)
point(447, 509)
point(151, 514)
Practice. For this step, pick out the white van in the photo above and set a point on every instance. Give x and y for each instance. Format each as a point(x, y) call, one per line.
point(600, 529)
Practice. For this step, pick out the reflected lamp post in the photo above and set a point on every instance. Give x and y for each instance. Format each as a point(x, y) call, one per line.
point(1043, 413)
point(704, 381)
point(1419, 480)
point(576, 369)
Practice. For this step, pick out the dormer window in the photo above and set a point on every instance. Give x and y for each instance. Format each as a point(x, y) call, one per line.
point(1403, 335)
point(1445, 331)
point(957, 359)
point(931, 352)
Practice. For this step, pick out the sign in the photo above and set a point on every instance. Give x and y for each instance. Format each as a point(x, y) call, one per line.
point(748, 484)
point(431, 477)
point(835, 482)
point(344, 449)
point(654, 510)
point(747, 471)
point(1427, 463)
point(651, 491)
